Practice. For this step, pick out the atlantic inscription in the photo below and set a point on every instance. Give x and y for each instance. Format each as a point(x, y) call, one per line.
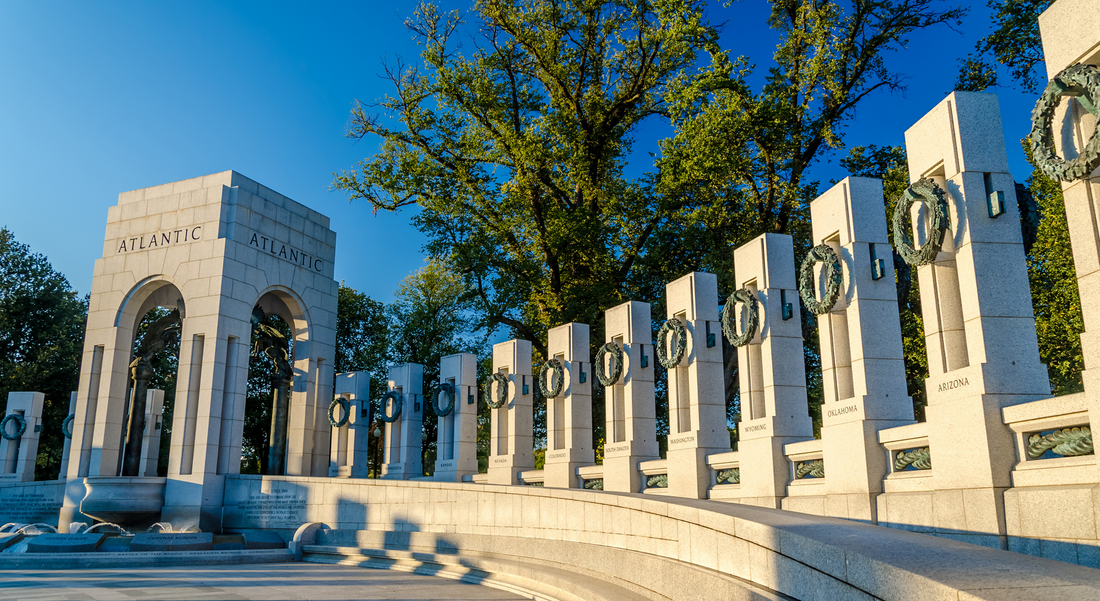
point(160, 239)
point(293, 255)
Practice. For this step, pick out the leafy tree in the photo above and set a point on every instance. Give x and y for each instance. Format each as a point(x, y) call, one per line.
point(1015, 44)
point(1054, 294)
point(515, 152)
point(743, 157)
point(746, 154)
point(41, 338)
point(428, 321)
point(258, 401)
point(362, 337)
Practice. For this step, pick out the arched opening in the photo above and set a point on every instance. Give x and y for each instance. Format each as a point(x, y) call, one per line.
point(257, 416)
point(151, 317)
point(279, 324)
point(159, 411)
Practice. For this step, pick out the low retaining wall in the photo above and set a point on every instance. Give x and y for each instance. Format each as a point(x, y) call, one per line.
point(806, 557)
point(31, 502)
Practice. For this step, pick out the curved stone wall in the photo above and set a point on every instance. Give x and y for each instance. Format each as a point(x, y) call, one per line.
point(803, 556)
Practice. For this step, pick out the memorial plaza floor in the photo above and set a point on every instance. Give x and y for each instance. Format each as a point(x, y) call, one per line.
point(267, 582)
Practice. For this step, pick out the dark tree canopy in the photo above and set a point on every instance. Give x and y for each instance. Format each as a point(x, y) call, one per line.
point(41, 338)
point(514, 147)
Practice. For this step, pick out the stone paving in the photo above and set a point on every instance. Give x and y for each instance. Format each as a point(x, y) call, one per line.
point(253, 582)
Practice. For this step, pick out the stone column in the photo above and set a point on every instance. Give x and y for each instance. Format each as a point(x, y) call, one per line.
point(135, 432)
point(280, 408)
point(862, 365)
point(978, 322)
point(456, 446)
point(348, 456)
point(771, 367)
point(510, 443)
point(404, 436)
point(150, 449)
point(1071, 35)
point(696, 389)
point(63, 474)
point(19, 455)
point(631, 424)
point(569, 414)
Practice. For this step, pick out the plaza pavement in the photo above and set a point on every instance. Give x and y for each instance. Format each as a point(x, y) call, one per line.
point(267, 582)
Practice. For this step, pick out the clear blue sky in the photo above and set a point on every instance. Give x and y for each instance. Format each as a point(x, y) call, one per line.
point(98, 98)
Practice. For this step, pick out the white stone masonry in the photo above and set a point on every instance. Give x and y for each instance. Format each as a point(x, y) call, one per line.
point(511, 436)
point(150, 445)
point(696, 388)
point(348, 454)
point(18, 456)
point(862, 363)
point(1071, 35)
point(214, 247)
point(771, 368)
point(569, 414)
point(979, 328)
point(456, 445)
point(68, 440)
point(631, 425)
point(404, 438)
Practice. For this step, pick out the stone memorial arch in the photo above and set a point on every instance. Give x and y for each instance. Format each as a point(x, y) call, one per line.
point(214, 248)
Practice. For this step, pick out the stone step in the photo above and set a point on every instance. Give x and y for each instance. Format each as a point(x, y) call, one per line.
point(97, 559)
point(540, 581)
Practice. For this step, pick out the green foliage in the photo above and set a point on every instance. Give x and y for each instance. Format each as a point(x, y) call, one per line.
point(362, 337)
point(429, 319)
point(746, 153)
point(514, 149)
point(1015, 44)
point(1054, 294)
point(258, 403)
point(976, 75)
point(742, 156)
point(41, 336)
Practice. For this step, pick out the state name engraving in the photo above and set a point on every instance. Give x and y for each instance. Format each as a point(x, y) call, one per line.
point(953, 384)
point(842, 411)
point(757, 428)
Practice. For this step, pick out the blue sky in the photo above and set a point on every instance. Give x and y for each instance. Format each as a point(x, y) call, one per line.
point(104, 97)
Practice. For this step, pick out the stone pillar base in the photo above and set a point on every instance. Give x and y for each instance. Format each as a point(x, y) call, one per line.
point(621, 474)
point(505, 474)
point(562, 474)
point(196, 501)
point(688, 473)
point(401, 471)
